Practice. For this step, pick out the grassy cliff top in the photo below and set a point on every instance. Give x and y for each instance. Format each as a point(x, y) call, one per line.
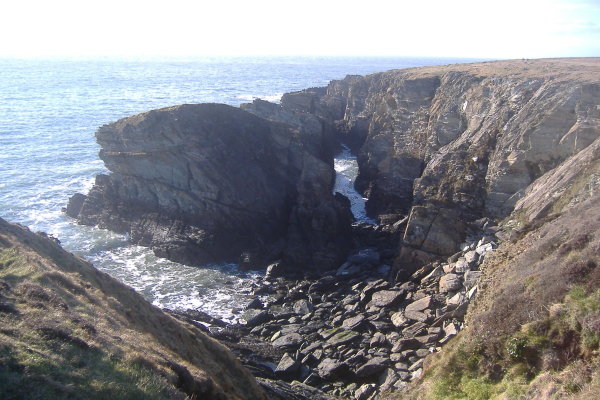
point(561, 69)
point(68, 330)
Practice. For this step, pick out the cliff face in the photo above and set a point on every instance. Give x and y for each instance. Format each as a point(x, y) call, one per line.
point(209, 182)
point(454, 143)
point(71, 331)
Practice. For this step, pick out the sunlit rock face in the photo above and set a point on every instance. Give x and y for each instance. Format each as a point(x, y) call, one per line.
point(209, 182)
point(459, 141)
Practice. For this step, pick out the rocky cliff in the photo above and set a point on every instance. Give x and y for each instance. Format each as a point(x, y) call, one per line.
point(450, 144)
point(68, 330)
point(209, 182)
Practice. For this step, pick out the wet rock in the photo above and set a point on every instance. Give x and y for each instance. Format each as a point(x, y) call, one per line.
point(274, 270)
point(255, 304)
point(365, 256)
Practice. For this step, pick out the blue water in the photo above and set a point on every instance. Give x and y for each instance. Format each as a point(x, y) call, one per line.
point(50, 109)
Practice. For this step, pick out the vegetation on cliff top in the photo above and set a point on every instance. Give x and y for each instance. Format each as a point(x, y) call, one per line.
point(68, 330)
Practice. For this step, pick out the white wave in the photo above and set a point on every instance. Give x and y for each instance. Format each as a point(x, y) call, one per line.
point(346, 168)
point(273, 98)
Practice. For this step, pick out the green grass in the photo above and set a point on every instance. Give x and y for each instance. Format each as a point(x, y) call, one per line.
point(54, 370)
point(570, 332)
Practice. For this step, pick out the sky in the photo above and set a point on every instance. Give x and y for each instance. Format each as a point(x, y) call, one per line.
point(435, 28)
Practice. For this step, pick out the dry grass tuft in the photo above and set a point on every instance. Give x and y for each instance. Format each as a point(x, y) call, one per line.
point(68, 330)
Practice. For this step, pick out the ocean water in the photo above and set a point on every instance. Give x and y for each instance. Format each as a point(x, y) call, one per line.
point(50, 109)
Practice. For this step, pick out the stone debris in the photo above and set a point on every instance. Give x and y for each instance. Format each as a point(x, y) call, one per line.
point(356, 335)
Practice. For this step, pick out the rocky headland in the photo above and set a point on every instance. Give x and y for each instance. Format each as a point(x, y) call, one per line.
point(211, 183)
point(484, 179)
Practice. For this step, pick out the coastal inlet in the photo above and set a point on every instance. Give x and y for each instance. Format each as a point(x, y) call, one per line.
point(218, 290)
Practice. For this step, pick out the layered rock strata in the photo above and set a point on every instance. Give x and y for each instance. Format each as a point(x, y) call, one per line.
point(450, 144)
point(209, 182)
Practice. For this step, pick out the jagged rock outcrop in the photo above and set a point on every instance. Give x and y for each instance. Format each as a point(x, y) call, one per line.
point(449, 144)
point(209, 182)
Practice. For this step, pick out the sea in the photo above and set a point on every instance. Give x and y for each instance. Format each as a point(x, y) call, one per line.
point(50, 109)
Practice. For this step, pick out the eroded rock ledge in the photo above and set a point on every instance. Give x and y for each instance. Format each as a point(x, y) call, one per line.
point(451, 144)
point(209, 182)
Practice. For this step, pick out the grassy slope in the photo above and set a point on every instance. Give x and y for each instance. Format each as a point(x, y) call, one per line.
point(68, 330)
point(534, 331)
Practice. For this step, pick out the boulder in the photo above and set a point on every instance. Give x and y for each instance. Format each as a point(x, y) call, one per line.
point(471, 278)
point(287, 367)
point(386, 298)
point(421, 304)
point(374, 366)
point(450, 283)
point(343, 337)
point(255, 317)
point(365, 391)
point(353, 322)
point(303, 307)
point(329, 369)
point(291, 340)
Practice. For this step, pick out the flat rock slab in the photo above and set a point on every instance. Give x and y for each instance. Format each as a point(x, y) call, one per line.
point(421, 304)
point(353, 322)
point(289, 340)
point(386, 298)
point(343, 337)
point(372, 367)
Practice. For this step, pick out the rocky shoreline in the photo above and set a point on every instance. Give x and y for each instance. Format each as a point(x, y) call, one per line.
point(354, 333)
point(352, 310)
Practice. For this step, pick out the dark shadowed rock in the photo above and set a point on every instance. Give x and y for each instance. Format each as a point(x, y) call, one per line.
point(330, 368)
point(255, 317)
point(209, 182)
point(372, 367)
point(287, 366)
